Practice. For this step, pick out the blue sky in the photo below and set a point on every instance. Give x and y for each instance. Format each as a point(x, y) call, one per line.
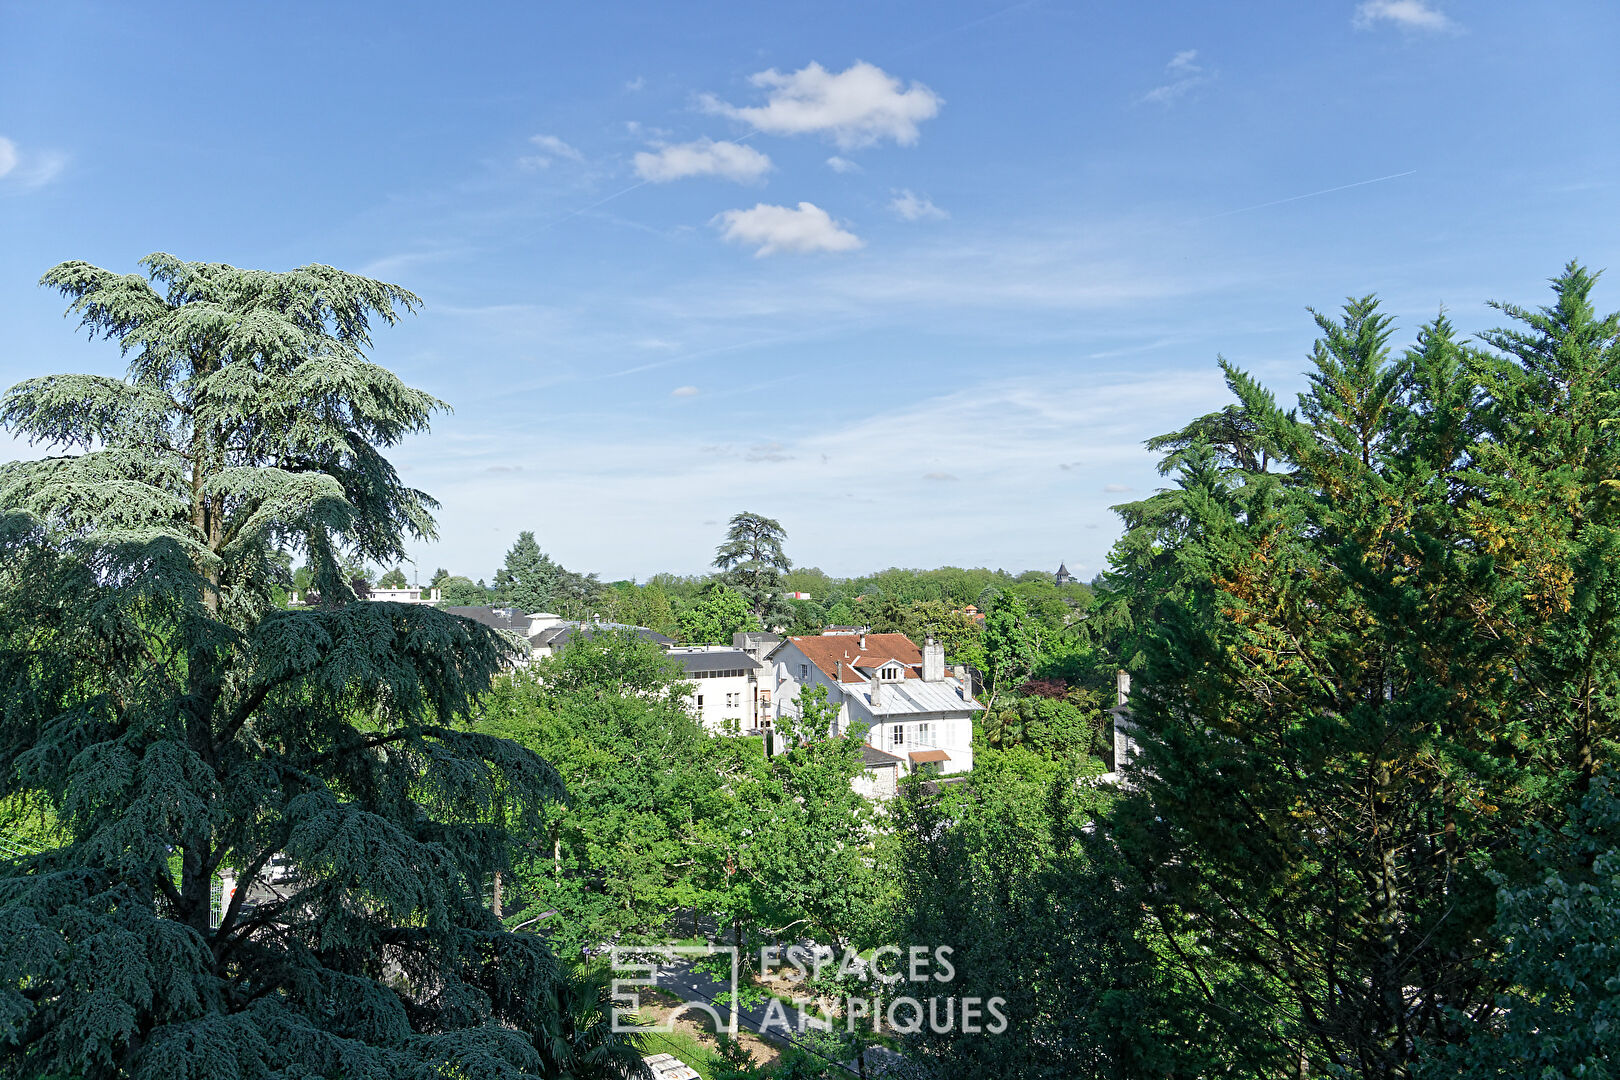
point(915, 278)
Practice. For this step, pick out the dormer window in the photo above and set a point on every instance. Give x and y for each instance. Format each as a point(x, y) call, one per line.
point(889, 673)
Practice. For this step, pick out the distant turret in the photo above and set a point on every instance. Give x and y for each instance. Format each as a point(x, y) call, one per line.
point(1063, 575)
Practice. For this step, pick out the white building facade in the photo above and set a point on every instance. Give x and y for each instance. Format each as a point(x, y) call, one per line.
point(728, 696)
point(914, 709)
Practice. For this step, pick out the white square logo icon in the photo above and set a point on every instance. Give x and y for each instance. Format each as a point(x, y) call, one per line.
point(674, 969)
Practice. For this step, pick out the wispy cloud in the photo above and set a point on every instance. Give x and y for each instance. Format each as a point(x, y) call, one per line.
point(704, 157)
point(25, 170)
point(684, 391)
point(772, 229)
point(389, 265)
point(768, 451)
point(1308, 195)
point(1185, 73)
point(549, 148)
point(842, 165)
point(1406, 14)
point(1116, 489)
point(859, 106)
point(636, 83)
point(913, 207)
point(807, 476)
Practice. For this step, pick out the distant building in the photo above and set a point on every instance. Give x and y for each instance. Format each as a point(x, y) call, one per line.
point(1063, 575)
point(916, 711)
point(393, 596)
point(798, 596)
point(727, 695)
point(405, 596)
point(1125, 745)
point(756, 643)
point(546, 633)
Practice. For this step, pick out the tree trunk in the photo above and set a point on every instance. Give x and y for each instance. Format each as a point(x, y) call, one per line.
point(495, 895)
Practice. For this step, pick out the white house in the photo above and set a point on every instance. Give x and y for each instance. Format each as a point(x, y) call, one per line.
point(914, 709)
point(1125, 745)
point(405, 596)
point(727, 694)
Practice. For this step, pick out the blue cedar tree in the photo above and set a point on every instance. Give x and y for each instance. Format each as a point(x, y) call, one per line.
point(181, 726)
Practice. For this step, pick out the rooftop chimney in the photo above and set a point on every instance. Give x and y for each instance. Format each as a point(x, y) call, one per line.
point(877, 691)
point(863, 641)
point(933, 660)
point(1122, 681)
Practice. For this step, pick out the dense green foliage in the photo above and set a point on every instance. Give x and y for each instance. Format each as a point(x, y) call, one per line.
point(716, 617)
point(622, 854)
point(1372, 635)
point(1371, 831)
point(178, 724)
point(528, 579)
point(752, 562)
point(1559, 1012)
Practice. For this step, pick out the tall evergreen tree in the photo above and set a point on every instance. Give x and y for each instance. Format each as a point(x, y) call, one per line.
point(753, 562)
point(184, 730)
point(529, 578)
point(1362, 664)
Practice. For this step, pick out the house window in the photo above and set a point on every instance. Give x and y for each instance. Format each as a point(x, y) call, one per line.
point(804, 672)
point(922, 733)
point(700, 701)
point(891, 673)
point(899, 734)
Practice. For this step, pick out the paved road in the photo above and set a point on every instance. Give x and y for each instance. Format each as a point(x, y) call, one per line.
point(683, 979)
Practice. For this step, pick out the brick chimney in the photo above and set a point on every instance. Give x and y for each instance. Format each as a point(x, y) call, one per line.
point(933, 660)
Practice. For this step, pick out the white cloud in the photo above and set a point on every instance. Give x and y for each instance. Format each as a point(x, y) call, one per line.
point(705, 157)
point(1407, 14)
point(808, 475)
point(636, 83)
point(28, 169)
point(1186, 75)
point(1116, 489)
point(859, 106)
point(914, 207)
point(783, 228)
point(550, 149)
point(842, 165)
point(684, 391)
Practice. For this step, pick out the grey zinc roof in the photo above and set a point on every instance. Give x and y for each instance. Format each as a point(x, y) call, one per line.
point(557, 636)
point(872, 757)
point(914, 696)
point(499, 618)
point(729, 660)
point(756, 637)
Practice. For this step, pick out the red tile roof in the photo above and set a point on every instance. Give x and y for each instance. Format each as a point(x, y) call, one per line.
point(825, 651)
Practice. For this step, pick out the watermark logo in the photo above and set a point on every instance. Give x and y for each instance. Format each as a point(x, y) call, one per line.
point(704, 976)
point(908, 990)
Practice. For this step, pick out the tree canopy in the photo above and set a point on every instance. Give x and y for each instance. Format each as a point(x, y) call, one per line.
point(184, 731)
point(529, 578)
point(753, 562)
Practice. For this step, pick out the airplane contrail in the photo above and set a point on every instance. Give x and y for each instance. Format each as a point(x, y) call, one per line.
point(1307, 195)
